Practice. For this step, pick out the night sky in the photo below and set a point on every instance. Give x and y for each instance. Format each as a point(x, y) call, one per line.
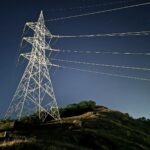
point(71, 86)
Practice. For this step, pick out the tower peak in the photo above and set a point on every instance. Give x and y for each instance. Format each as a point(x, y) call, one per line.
point(41, 17)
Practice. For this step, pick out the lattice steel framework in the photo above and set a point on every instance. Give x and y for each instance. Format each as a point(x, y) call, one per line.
point(35, 91)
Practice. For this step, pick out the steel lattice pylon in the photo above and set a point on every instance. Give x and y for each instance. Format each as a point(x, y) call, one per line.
point(35, 91)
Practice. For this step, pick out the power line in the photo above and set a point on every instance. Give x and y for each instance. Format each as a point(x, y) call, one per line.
point(122, 34)
point(104, 73)
point(91, 6)
point(99, 12)
point(102, 65)
point(102, 52)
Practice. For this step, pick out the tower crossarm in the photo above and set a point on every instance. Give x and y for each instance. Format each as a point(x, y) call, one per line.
point(31, 40)
point(35, 26)
point(35, 41)
point(33, 56)
point(48, 63)
point(47, 46)
point(26, 55)
point(31, 25)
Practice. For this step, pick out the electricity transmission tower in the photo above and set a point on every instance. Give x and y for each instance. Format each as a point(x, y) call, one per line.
point(35, 91)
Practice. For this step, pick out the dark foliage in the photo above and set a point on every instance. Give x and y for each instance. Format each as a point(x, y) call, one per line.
point(77, 109)
point(109, 130)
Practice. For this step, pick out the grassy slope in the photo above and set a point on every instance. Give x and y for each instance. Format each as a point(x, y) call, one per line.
point(102, 130)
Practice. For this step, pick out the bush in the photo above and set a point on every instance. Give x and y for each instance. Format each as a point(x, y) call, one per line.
point(77, 109)
point(87, 105)
point(30, 119)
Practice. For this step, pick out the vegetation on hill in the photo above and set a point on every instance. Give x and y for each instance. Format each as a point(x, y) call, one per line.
point(84, 126)
point(77, 109)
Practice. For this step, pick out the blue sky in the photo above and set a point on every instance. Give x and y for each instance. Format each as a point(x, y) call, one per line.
point(72, 86)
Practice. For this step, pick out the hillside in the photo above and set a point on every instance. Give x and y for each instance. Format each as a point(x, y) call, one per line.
point(98, 129)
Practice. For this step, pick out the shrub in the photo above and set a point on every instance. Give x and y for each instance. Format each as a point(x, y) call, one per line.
point(77, 109)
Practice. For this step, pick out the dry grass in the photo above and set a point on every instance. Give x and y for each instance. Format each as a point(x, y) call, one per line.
point(6, 125)
point(103, 109)
point(10, 143)
point(17, 141)
point(2, 134)
point(83, 116)
point(75, 119)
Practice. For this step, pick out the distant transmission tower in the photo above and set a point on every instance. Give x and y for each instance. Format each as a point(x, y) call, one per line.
point(35, 92)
